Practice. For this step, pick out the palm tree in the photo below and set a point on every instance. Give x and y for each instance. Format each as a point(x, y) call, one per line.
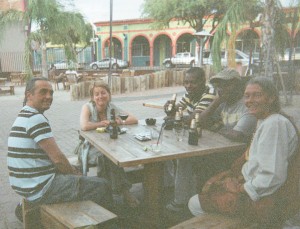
point(73, 31)
point(241, 11)
point(48, 18)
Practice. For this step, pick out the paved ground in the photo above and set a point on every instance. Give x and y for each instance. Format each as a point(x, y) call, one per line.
point(64, 119)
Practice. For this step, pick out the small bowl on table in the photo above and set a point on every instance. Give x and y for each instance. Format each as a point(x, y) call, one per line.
point(150, 121)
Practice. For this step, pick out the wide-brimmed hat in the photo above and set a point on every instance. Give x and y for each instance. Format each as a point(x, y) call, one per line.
point(226, 74)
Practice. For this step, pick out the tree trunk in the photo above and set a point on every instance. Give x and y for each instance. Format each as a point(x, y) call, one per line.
point(44, 59)
point(268, 31)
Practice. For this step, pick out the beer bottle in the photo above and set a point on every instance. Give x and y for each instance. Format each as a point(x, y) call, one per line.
point(193, 134)
point(198, 125)
point(180, 113)
point(178, 127)
point(113, 130)
point(171, 106)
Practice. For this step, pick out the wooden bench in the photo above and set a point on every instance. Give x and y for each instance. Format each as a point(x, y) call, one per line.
point(213, 221)
point(7, 89)
point(82, 214)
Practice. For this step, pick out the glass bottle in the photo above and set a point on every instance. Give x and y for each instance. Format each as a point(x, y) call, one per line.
point(178, 127)
point(171, 106)
point(113, 130)
point(198, 125)
point(193, 134)
point(180, 110)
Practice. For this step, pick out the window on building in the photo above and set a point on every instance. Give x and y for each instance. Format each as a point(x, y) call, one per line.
point(140, 47)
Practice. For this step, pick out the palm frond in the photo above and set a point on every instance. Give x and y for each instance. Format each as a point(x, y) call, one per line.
point(238, 13)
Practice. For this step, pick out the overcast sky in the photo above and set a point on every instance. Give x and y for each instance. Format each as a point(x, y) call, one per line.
point(99, 10)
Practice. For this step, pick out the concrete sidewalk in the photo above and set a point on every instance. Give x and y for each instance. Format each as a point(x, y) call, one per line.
point(64, 120)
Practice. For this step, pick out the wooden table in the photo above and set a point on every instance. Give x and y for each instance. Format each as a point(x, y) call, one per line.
point(17, 78)
point(2, 81)
point(155, 103)
point(127, 151)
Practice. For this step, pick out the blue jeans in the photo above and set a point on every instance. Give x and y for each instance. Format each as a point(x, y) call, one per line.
point(66, 188)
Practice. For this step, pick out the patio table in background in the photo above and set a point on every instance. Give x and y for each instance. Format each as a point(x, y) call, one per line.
point(18, 78)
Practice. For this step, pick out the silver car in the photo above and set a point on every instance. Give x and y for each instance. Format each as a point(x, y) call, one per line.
point(64, 64)
point(104, 63)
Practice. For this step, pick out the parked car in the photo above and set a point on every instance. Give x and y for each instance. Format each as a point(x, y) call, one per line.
point(64, 64)
point(181, 58)
point(239, 57)
point(104, 63)
point(295, 54)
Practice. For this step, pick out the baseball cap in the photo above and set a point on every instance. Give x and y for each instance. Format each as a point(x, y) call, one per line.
point(226, 74)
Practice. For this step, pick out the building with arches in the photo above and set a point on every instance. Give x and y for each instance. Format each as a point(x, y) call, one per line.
point(137, 41)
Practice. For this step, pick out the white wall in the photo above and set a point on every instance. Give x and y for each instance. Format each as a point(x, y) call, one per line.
point(12, 43)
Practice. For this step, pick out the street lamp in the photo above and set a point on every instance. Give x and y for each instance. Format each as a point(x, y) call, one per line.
point(202, 35)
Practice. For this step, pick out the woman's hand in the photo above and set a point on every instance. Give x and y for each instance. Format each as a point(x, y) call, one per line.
point(104, 123)
point(119, 121)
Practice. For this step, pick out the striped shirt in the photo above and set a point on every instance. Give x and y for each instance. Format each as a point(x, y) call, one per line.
point(199, 105)
point(234, 117)
point(30, 169)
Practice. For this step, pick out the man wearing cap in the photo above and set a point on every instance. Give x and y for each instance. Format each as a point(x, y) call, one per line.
point(226, 115)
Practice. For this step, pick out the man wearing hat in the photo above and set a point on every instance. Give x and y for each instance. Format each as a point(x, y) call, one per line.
point(226, 115)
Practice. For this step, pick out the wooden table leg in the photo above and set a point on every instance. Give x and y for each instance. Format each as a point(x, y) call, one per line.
point(153, 188)
point(12, 89)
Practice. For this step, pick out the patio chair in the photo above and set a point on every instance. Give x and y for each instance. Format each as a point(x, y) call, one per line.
point(59, 79)
point(17, 78)
point(71, 79)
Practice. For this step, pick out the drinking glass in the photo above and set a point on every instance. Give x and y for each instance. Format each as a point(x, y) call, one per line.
point(156, 139)
point(179, 133)
point(123, 117)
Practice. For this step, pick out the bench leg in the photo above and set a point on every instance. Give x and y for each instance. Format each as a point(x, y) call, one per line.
point(31, 215)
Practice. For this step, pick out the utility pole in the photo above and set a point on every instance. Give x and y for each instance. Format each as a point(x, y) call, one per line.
point(110, 43)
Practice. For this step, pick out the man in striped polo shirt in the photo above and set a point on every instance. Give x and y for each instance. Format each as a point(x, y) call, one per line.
point(197, 98)
point(38, 170)
point(198, 94)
